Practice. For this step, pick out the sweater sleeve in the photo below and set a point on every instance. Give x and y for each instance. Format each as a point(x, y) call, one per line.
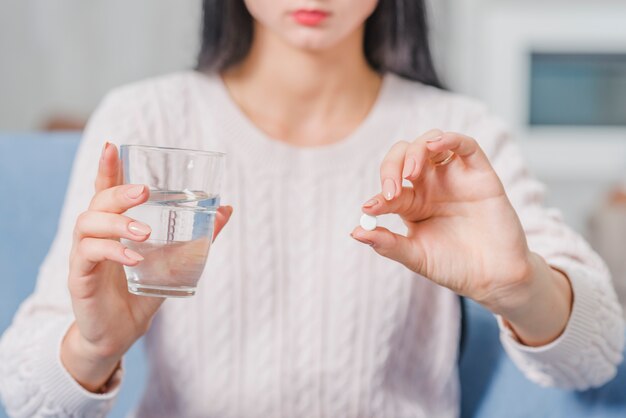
point(587, 353)
point(33, 381)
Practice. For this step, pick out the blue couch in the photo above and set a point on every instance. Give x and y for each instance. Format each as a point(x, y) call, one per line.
point(33, 174)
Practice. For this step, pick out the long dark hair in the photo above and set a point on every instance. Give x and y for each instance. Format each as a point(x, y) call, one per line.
point(396, 38)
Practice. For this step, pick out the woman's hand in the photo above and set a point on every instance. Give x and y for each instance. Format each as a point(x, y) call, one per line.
point(464, 234)
point(109, 319)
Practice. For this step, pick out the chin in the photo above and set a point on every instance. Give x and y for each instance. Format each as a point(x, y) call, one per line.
point(315, 39)
point(313, 25)
point(311, 42)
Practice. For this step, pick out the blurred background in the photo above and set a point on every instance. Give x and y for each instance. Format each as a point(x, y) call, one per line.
point(554, 70)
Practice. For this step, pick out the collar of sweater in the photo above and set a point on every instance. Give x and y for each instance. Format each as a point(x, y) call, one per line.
point(383, 125)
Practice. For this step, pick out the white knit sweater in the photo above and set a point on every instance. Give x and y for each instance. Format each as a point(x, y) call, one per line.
point(293, 318)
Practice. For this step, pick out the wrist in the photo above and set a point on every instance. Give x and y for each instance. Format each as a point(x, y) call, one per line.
point(514, 299)
point(538, 310)
point(90, 368)
point(508, 296)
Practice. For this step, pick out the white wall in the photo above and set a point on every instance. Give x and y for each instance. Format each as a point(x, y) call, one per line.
point(65, 54)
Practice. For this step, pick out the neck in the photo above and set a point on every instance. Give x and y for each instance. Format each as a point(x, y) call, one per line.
point(287, 91)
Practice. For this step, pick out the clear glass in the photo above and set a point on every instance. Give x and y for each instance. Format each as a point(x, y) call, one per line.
point(184, 196)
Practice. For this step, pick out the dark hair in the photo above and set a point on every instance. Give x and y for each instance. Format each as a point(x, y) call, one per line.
point(396, 38)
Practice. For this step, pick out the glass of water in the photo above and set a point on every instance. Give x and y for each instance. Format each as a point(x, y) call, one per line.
point(184, 196)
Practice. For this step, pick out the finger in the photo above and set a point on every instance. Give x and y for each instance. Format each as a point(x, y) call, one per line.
point(391, 245)
point(409, 205)
point(91, 251)
point(464, 147)
point(221, 218)
point(108, 168)
point(391, 170)
point(119, 199)
point(417, 153)
point(110, 225)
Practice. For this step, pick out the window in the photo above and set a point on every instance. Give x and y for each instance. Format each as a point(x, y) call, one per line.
point(582, 89)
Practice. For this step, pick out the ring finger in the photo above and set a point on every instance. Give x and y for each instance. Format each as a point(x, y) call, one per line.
point(91, 251)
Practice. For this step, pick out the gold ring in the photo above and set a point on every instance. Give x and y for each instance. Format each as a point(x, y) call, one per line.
point(446, 160)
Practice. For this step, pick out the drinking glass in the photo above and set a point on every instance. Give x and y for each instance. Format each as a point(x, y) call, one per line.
point(184, 197)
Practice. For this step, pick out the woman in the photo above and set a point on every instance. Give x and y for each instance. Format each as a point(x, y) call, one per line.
point(320, 106)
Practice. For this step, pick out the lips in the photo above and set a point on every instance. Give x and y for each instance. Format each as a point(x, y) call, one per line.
point(309, 17)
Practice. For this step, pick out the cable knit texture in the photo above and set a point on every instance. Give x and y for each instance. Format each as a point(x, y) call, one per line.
point(292, 317)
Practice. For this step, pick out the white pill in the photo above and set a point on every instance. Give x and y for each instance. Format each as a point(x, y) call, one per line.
point(368, 222)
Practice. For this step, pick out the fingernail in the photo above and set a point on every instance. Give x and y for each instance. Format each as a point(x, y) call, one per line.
point(389, 189)
point(138, 228)
point(409, 166)
point(133, 255)
point(104, 149)
point(135, 191)
point(364, 241)
point(437, 139)
point(370, 203)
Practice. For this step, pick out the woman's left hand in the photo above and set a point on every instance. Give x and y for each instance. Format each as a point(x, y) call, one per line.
point(463, 232)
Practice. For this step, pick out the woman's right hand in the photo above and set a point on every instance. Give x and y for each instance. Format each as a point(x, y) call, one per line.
point(109, 319)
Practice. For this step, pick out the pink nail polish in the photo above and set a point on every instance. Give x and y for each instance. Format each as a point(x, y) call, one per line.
point(370, 203)
point(437, 139)
point(133, 255)
point(135, 191)
point(409, 167)
point(104, 150)
point(389, 189)
point(138, 228)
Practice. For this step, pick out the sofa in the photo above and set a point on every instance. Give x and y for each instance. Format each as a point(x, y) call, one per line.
point(34, 170)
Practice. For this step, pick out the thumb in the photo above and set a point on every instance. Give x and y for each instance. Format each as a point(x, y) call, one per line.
point(108, 168)
point(221, 218)
point(391, 245)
